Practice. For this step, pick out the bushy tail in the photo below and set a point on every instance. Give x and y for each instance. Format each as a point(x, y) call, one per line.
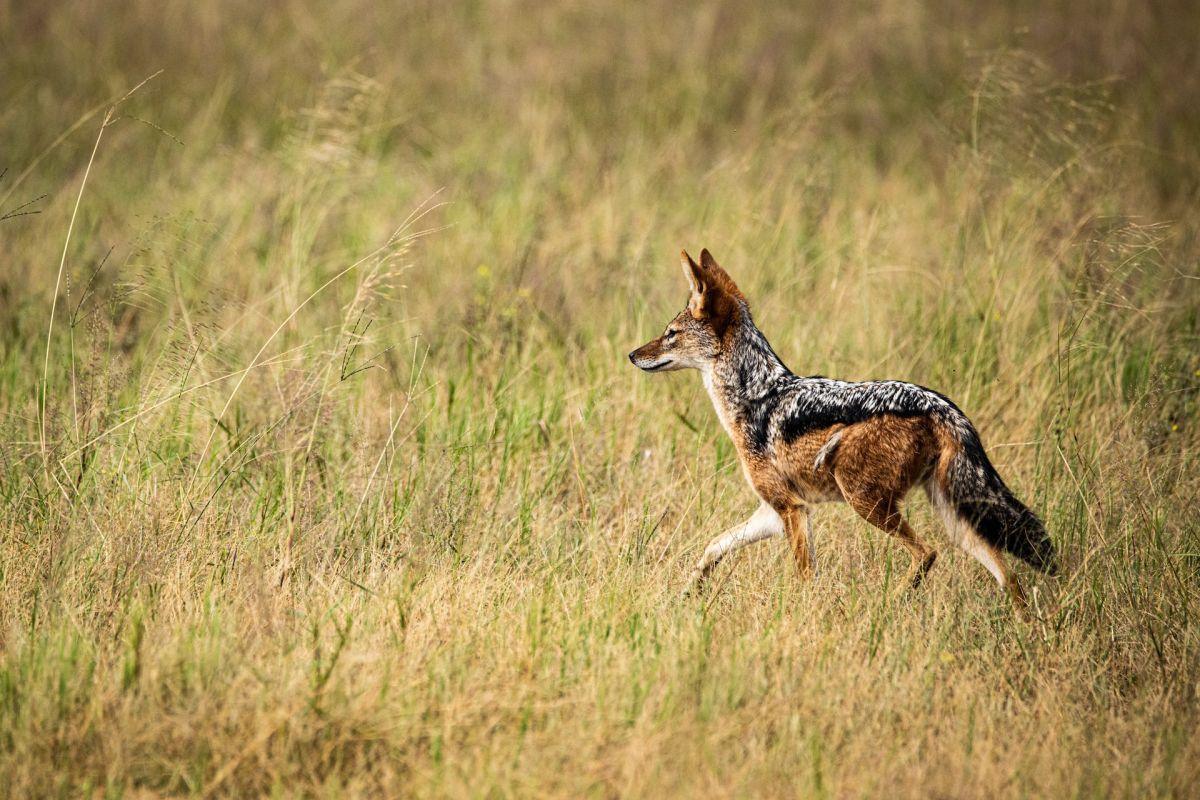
point(980, 497)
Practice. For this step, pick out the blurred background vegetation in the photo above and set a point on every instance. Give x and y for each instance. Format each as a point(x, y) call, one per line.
point(324, 472)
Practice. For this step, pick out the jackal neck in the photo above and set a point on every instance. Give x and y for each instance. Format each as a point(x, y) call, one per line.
point(747, 373)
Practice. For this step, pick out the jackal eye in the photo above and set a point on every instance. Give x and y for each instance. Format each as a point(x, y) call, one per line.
point(670, 334)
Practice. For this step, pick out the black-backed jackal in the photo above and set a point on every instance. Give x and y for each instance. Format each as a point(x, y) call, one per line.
point(805, 440)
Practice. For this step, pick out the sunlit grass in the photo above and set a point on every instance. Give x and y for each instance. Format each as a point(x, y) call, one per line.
point(338, 481)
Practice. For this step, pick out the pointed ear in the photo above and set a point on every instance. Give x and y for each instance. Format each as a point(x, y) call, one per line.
point(693, 273)
point(704, 290)
point(718, 277)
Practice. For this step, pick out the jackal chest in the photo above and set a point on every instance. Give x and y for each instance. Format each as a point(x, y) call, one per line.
point(782, 473)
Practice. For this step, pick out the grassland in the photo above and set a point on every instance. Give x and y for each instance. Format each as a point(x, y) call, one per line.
point(324, 473)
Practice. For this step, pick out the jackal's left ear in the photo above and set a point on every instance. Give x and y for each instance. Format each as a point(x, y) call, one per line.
point(693, 273)
point(701, 283)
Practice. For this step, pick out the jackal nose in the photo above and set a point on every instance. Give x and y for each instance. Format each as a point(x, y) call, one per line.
point(632, 359)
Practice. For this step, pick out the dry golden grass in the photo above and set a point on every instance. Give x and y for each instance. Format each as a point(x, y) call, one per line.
point(330, 477)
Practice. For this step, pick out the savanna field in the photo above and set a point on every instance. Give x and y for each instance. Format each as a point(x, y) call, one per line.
point(324, 471)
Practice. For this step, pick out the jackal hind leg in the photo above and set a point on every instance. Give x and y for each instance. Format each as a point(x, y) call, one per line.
point(991, 558)
point(884, 513)
point(961, 532)
point(763, 524)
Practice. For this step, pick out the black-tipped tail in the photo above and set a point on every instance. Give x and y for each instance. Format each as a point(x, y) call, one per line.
point(981, 498)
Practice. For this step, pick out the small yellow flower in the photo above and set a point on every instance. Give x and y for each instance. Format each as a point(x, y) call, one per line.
point(484, 271)
point(946, 657)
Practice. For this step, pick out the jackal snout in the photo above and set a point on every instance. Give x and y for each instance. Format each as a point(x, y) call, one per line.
point(651, 357)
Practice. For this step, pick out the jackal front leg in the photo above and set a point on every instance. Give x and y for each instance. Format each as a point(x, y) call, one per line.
point(763, 524)
point(798, 524)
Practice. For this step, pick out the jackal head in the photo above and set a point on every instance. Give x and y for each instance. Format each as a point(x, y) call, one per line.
point(695, 338)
